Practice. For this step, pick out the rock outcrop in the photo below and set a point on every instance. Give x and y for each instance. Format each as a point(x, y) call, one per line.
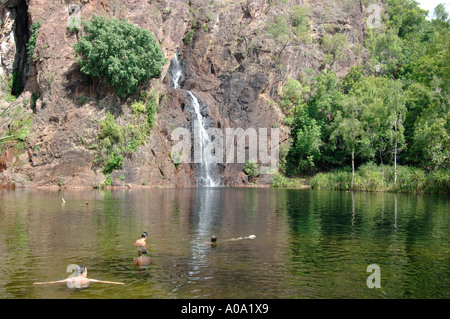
point(230, 63)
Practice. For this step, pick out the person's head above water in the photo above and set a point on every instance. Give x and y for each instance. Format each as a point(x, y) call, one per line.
point(213, 239)
point(141, 241)
point(142, 259)
point(81, 270)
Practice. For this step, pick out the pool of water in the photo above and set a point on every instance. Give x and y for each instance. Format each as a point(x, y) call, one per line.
point(309, 244)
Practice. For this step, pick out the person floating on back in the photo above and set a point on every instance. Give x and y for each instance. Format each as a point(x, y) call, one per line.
point(79, 280)
point(213, 241)
point(142, 241)
point(142, 260)
point(242, 237)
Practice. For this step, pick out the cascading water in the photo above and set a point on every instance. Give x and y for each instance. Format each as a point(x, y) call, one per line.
point(206, 168)
point(177, 72)
point(203, 145)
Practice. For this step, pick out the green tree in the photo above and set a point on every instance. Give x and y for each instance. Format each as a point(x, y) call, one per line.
point(432, 141)
point(385, 50)
point(325, 98)
point(396, 103)
point(383, 110)
point(251, 169)
point(405, 16)
point(417, 99)
point(290, 29)
point(349, 129)
point(323, 103)
point(440, 13)
point(305, 147)
point(352, 77)
point(334, 46)
point(119, 52)
point(293, 95)
point(307, 144)
point(371, 92)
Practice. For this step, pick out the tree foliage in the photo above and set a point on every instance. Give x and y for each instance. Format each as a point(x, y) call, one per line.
point(290, 29)
point(392, 109)
point(119, 52)
point(32, 40)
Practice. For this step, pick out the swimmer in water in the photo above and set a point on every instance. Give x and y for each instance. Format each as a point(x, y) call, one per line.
point(142, 241)
point(80, 280)
point(242, 237)
point(213, 241)
point(142, 260)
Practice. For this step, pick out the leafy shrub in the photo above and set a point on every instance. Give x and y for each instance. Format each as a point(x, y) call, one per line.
point(152, 108)
point(282, 181)
point(251, 169)
point(115, 142)
point(32, 41)
point(137, 107)
point(109, 129)
point(291, 29)
point(188, 38)
point(119, 52)
point(334, 46)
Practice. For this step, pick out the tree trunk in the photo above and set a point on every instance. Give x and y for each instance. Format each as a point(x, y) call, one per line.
point(282, 49)
point(353, 167)
point(395, 155)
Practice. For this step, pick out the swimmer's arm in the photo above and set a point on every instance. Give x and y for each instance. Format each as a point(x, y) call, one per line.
point(50, 282)
point(106, 282)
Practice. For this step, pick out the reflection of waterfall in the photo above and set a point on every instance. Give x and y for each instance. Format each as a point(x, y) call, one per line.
point(205, 206)
point(206, 175)
point(205, 218)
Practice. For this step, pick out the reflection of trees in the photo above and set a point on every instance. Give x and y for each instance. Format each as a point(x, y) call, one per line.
point(335, 235)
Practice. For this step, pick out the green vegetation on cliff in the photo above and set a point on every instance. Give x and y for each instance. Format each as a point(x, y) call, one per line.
point(116, 141)
point(124, 56)
point(119, 52)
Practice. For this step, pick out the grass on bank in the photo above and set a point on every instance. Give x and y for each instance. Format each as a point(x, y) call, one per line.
point(281, 181)
point(371, 177)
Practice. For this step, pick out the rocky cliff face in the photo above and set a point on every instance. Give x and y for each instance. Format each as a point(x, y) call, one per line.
point(230, 62)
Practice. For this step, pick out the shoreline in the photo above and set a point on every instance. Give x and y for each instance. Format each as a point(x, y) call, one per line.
point(265, 186)
point(369, 178)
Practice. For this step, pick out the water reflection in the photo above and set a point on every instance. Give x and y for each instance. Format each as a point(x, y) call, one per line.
point(205, 215)
point(308, 243)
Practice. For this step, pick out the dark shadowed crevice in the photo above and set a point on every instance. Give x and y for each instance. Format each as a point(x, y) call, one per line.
point(21, 66)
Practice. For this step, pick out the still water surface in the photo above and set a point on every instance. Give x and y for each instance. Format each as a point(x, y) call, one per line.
point(309, 244)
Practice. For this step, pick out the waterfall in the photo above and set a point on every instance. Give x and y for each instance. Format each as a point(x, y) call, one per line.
point(202, 145)
point(205, 168)
point(177, 72)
